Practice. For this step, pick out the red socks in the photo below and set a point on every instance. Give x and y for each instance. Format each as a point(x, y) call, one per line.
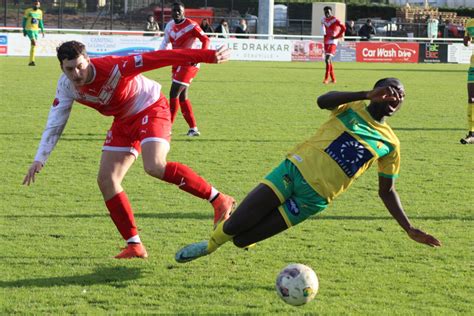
point(187, 110)
point(331, 72)
point(122, 215)
point(187, 180)
point(174, 106)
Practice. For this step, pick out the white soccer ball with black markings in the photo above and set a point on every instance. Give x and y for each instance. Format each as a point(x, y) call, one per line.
point(297, 284)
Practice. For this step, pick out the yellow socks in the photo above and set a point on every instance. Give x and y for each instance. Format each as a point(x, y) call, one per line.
point(218, 238)
point(470, 117)
point(32, 53)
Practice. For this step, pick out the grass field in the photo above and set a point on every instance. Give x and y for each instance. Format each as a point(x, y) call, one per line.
point(57, 240)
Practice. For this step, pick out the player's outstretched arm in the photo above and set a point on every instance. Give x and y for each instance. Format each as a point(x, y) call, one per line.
point(333, 99)
point(35, 168)
point(392, 202)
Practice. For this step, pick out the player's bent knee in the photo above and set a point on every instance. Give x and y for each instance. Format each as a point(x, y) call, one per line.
point(156, 170)
point(240, 242)
point(104, 182)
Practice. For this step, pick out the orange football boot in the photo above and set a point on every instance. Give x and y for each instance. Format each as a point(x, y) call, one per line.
point(223, 207)
point(133, 251)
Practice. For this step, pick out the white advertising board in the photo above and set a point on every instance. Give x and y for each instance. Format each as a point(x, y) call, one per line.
point(458, 53)
point(14, 44)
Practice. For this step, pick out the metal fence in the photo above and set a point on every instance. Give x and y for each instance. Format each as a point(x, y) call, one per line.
point(131, 15)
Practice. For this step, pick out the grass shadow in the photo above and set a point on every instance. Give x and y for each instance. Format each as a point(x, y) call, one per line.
point(115, 276)
point(205, 216)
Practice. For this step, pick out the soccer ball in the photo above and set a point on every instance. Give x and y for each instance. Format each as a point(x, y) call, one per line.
point(297, 284)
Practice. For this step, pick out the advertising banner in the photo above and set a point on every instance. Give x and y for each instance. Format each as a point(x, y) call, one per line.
point(346, 51)
point(307, 51)
point(387, 52)
point(3, 44)
point(15, 44)
point(255, 49)
point(433, 53)
point(458, 53)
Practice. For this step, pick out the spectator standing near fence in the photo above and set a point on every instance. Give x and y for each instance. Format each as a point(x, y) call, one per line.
point(367, 30)
point(242, 28)
point(32, 24)
point(223, 29)
point(151, 26)
point(181, 32)
point(432, 28)
point(206, 27)
point(350, 29)
point(332, 29)
point(468, 35)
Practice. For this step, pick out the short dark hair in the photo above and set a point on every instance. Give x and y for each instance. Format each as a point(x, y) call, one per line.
point(178, 3)
point(383, 82)
point(327, 9)
point(70, 50)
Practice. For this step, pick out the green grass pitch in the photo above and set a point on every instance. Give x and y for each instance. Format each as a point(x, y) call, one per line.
point(57, 240)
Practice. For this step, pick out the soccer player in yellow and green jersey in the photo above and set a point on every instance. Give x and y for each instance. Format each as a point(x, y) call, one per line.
point(468, 35)
point(318, 170)
point(32, 23)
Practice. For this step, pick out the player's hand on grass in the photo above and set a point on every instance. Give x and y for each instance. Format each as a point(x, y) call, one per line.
point(385, 94)
point(423, 238)
point(35, 168)
point(222, 55)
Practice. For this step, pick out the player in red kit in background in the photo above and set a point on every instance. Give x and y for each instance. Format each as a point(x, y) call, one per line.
point(332, 29)
point(114, 86)
point(183, 33)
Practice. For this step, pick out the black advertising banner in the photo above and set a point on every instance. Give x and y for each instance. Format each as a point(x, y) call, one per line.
point(433, 53)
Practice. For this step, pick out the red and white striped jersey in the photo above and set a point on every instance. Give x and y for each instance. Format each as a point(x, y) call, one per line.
point(184, 35)
point(332, 29)
point(117, 89)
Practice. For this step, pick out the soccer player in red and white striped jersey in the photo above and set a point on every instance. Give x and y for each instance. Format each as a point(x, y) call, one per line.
point(181, 32)
point(115, 87)
point(333, 30)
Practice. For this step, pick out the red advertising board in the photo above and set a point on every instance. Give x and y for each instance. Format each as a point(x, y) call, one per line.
point(307, 51)
point(3, 50)
point(387, 52)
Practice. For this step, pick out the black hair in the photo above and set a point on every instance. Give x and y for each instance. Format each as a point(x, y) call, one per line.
point(383, 82)
point(178, 3)
point(70, 50)
point(327, 9)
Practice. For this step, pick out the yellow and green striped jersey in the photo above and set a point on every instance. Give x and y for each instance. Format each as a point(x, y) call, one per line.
point(344, 147)
point(33, 19)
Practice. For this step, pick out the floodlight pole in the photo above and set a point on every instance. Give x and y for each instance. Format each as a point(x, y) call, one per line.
point(265, 17)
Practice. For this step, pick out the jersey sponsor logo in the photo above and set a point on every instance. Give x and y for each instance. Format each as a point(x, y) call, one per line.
point(138, 61)
point(298, 158)
point(292, 207)
point(348, 153)
point(56, 102)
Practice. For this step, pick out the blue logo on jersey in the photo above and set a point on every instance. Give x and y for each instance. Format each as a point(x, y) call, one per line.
point(348, 153)
point(3, 40)
point(292, 207)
